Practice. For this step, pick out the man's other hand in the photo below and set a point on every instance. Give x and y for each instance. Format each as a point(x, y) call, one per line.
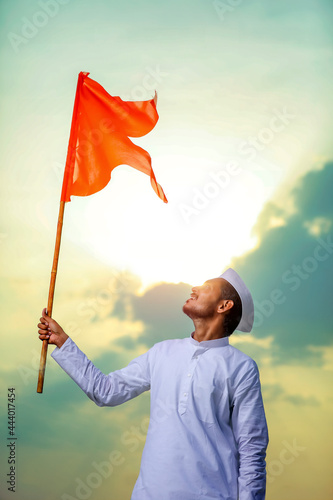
point(49, 329)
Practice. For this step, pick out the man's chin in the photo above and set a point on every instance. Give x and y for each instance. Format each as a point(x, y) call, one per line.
point(187, 309)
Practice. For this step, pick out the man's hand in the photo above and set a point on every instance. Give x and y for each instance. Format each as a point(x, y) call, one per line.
point(51, 331)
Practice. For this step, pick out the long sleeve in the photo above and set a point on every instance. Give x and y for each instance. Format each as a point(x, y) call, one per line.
point(105, 390)
point(251, 434)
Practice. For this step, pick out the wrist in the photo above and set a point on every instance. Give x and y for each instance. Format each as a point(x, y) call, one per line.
point(61, 340)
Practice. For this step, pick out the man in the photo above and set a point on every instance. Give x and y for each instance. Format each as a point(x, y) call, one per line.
point(207, 435)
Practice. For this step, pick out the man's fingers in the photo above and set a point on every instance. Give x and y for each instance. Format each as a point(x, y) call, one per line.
point(43, 332)
point(44, 336)
point(45, 315)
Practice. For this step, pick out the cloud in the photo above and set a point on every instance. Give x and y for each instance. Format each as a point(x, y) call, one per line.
point(313, 194)
point(276, 393)
point(290, 271)
point(160, 309)
point(289, 274)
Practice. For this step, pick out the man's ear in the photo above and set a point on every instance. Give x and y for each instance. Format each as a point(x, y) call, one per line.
point(225, 305)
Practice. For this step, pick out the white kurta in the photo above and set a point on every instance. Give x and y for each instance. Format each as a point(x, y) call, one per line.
point(207, 434)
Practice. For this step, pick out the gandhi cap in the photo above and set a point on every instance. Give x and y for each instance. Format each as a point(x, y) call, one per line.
point(246, 321)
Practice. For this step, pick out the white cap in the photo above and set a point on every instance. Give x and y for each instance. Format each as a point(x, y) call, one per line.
point(246, 322)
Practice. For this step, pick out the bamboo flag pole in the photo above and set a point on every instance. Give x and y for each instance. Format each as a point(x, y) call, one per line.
point(51, 295)
point(68, 177)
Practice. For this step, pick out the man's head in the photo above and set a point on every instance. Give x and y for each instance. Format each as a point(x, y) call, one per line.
point(216, 300)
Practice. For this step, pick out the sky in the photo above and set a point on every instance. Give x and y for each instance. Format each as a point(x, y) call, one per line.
point(244, 154)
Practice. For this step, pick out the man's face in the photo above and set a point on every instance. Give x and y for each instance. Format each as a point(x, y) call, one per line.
point(204, 299)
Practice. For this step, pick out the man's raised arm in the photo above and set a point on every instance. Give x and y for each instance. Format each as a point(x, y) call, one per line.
point(105, 390)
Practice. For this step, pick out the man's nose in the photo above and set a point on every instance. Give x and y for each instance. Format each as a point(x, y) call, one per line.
point(195, 289)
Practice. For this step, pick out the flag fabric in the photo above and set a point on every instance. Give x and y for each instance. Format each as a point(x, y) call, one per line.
point(99, 139)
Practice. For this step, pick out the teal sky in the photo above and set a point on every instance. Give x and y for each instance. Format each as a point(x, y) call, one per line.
point(249, 88)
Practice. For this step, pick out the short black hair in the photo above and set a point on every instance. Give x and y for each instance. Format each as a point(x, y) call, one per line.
point(233, 316)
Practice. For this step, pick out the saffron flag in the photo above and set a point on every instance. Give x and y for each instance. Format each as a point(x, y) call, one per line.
point(99, 139)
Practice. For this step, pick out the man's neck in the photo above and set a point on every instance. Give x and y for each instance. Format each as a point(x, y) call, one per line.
point(207, 330)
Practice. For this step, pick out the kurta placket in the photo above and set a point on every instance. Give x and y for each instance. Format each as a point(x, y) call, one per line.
point(188, 379)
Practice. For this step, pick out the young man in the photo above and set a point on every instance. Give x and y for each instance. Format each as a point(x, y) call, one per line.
point(207, 435)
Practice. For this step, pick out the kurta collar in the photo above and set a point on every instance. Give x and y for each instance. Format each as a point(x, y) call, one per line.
point(210, 343)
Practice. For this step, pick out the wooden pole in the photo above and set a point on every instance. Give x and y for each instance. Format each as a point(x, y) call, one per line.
point(51, 295)
point(68, 175)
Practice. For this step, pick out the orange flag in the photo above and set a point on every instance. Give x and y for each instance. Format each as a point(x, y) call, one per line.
point(99, 139)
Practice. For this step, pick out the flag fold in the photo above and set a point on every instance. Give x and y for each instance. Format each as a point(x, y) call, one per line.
point(99, 139)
